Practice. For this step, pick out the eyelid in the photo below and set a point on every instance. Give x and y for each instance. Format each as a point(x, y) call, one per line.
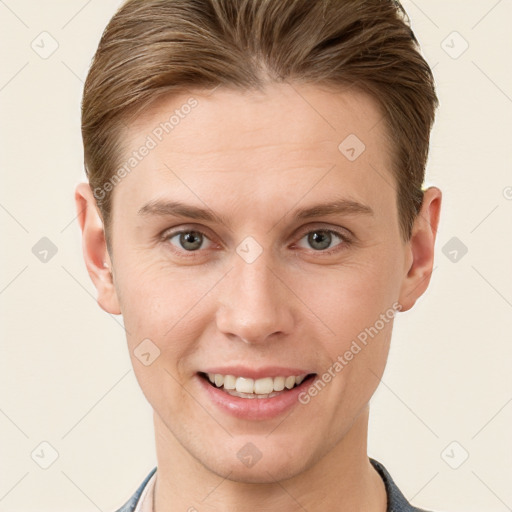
point(340, 231)
point(184, 228)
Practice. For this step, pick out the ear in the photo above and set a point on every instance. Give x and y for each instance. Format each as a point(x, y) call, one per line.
point(420, 249)
point(94, 247)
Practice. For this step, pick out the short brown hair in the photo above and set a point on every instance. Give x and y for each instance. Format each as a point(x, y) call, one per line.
point(156, 47)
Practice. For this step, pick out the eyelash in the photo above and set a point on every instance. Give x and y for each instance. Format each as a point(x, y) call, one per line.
point(345, 241)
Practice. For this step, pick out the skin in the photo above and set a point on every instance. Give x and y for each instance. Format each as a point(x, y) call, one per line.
point(254, 158)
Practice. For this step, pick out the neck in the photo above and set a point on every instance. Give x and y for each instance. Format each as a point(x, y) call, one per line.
point(342, 480)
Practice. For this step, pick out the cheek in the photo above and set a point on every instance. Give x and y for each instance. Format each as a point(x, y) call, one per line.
point(364, 325)
point(350, 299)
point(164, 306)
point(164, 322)
point(147, 293)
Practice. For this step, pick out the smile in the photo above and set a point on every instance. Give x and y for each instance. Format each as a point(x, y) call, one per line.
point(266, 387)
point(251, 393)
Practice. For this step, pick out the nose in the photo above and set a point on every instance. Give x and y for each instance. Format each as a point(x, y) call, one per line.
point(255, 305)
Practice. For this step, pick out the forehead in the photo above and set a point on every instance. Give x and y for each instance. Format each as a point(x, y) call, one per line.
point(259, 144)
point(285, 113)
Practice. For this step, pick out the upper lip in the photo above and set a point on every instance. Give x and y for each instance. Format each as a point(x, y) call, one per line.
point(257, 373)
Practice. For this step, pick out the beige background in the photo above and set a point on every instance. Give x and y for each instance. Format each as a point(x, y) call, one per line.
point(65, 374)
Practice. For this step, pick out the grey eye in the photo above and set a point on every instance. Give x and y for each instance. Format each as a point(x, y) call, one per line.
point(188, 240)
point(320, 239)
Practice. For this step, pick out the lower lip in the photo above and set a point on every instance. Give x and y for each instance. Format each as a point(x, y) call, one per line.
point(254, 408)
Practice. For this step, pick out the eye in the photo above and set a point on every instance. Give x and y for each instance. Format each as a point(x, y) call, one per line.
point(188, 240)
point(323, 239)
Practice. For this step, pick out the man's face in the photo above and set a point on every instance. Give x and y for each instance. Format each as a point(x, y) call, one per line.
point(256, 289)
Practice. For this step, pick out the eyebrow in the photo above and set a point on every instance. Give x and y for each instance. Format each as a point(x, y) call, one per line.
point(340, 207)
point(178, 209)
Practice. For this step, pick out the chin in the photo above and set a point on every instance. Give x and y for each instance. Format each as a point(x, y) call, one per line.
point(266, 469)
point(264, 474)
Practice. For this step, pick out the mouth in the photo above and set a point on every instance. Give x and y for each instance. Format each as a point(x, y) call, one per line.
point(265, 387)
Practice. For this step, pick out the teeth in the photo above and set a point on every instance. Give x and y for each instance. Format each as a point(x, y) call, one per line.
point(264, 386)
point(279, 383)
point(229, 382)
point(246, 386)
point(289, 382)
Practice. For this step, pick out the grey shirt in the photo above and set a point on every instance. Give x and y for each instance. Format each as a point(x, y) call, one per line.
point(396, 500)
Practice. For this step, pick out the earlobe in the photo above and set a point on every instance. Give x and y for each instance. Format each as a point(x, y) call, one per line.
point(94, 248)
point(421, 248)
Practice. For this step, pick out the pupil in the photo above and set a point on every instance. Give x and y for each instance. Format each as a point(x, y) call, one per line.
point(319, 237)
point(191, 240)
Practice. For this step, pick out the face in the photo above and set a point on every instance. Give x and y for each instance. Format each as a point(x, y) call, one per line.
point(248, 246)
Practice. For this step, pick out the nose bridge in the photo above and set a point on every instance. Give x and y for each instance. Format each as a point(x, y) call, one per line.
point(254, 303)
